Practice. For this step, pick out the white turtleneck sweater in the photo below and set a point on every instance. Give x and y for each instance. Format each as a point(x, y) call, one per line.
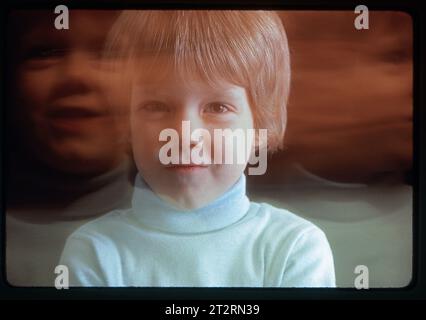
point(231, 242)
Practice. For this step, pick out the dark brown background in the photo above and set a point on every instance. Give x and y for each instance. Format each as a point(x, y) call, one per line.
point(350, 107)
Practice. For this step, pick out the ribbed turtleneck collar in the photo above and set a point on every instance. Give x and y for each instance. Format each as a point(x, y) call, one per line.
point(154, 212)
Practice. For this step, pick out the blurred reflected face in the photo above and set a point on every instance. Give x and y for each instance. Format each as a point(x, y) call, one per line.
point(160, 103)
point(355, 125)
point(68, 102)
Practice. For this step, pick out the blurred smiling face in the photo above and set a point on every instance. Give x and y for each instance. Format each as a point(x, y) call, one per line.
point(68, 102)
point(162, 101)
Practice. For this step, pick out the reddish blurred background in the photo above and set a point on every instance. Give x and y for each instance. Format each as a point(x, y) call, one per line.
point(350, 108)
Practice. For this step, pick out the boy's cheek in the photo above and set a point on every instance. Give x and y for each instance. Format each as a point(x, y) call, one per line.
point(143, 134)
point(144, 147)
point(33, 89)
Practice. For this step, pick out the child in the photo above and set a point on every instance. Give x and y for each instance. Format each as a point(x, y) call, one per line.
point(191, 224)
point(67, 150)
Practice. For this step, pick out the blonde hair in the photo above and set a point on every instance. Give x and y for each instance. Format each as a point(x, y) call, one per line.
point(246, 48)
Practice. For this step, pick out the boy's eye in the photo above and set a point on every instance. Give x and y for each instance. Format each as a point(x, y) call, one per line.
point(45, 53)
point(217, 108)
point(154, 107)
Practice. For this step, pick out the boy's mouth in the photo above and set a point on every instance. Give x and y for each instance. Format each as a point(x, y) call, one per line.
point(74, 119)
point(186, 167)
point(72, 112)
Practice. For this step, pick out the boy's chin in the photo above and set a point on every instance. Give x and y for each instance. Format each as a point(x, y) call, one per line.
point(189, 198)
point(189, 195)
point(191, 189)
point(187, 202)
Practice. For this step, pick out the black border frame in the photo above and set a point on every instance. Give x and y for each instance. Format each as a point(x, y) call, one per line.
point(415, 290)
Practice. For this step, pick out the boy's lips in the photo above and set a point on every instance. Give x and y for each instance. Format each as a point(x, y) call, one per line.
point(73, 112)
point(186, 167)
point(70, 118)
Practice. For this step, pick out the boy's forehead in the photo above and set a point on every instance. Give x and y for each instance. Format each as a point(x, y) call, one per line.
point(174, 86)
point(29, 26)
point(156, 72)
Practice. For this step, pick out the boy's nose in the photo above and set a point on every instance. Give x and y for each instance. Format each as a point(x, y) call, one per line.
point(187, 120)
point(76, 73)
point(189, 114)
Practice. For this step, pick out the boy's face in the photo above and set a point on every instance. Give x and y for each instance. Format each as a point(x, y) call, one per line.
point(68, 102)
point(160, 103)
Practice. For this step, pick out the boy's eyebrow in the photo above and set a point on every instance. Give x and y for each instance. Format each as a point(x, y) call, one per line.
point(212, 94)
point(147, 89)
point(39, 38)
point(156, 86)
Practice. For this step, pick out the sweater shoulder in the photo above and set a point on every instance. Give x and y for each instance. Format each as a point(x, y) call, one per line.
point(297, 252)
point(281, 218)
point(281, 226)
point(104, 226)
